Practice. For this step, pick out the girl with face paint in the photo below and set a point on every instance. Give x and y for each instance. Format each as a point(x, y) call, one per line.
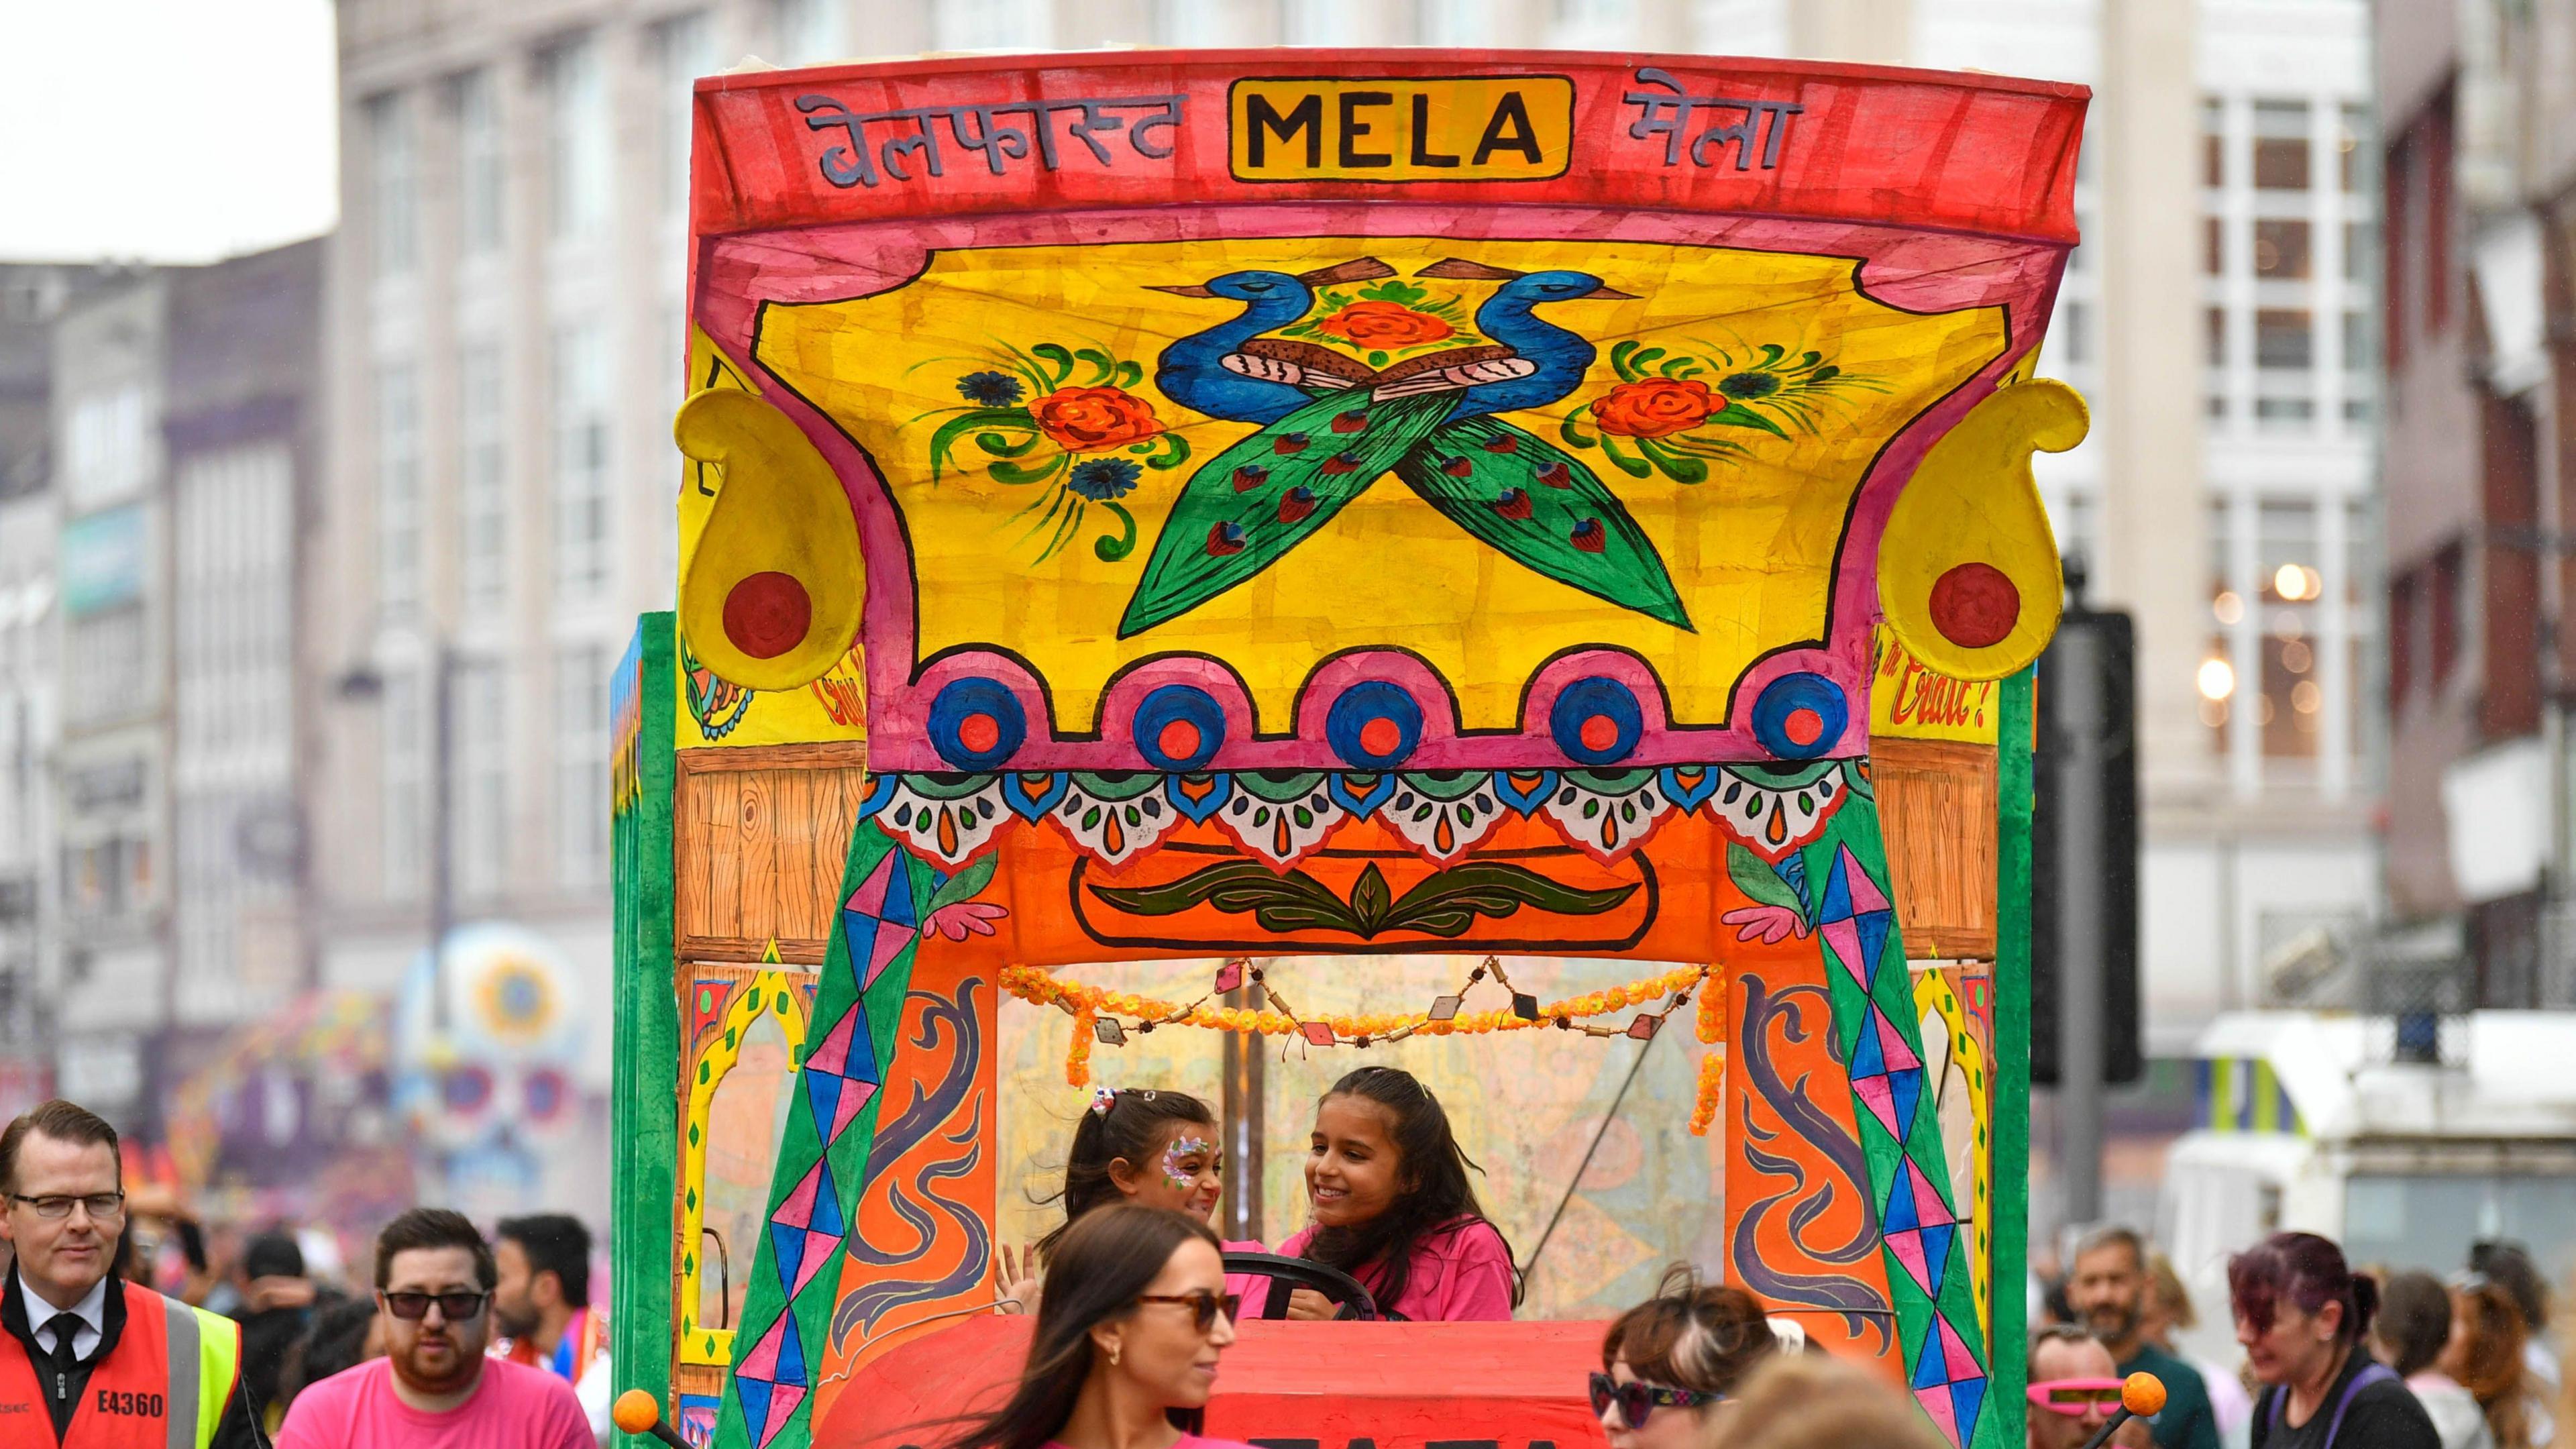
point(1144, 1146)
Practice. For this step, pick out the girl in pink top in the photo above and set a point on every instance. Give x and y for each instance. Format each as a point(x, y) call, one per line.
point(1387, 1187)
point(1137, 1145)
point(1125, 1351)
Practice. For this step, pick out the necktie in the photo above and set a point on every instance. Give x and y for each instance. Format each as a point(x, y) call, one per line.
point(65, 1327)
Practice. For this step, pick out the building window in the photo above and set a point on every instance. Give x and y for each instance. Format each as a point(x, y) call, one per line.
point(232, 622)
point(2404, 599)
point(809, 31)
point(2356, 250)
point(481, 838)
point(107, 665)
point(2438, 158)
point(2217, 330)
point(581, 764)
point(478, 164)
point(2397, 242)
point(2443, 621)
point(398, 540)
point(2281, 146)
point(686, 47)
point(2280, 249)
point(394, 177)
point(2213, 246)
point(405, 783)
point(2291, 582)
point(2213, 142)
point(2075, 333)
point(2354, 135)
point(482, 485)
point(581, 423)
point(578, 140)
point(110, 451)
point(993, 25)
point(2215, 676)
point(2284, 338)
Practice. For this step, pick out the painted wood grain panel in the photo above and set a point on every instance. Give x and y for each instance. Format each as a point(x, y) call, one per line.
point(759, 845)
point(1936, 804)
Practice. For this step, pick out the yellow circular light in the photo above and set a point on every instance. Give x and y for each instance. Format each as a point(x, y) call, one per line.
point(2228, 607)
point(2217, 679)
point(2296, 582)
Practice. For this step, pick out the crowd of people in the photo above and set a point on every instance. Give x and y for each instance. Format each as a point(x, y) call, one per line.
point(462, 1342)
point(494, 1343)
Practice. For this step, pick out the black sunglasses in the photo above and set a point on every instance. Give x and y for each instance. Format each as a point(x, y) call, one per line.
point(1204, 1306)
point(454, 1307)
point(1637, 1398)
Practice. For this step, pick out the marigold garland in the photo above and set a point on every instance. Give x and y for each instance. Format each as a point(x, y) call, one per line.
point(1091, 1006)
point(1712, 1063)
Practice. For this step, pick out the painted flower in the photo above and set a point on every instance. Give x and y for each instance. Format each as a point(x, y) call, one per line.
point(989, 389)
point(1654, 407)
point(958, 918)
point(1384, 324)
point(1769, 924)
point(1092, 419)
point(1101, 479)
point(1746, 386)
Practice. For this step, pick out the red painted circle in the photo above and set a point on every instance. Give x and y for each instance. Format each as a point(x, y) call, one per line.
point(1178, 739)
point(767, 614)
point(1802, 727)
point(979, 733)
point(1975, 605)
point(1600, 733)
point(1381, 737)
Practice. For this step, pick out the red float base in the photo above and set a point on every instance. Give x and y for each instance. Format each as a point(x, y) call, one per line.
point(1283, 1385)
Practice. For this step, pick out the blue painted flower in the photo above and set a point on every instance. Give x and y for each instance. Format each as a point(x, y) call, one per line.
point(1101, 479)
point(989, 389)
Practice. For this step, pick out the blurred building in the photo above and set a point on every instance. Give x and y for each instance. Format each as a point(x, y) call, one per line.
point(152, 667)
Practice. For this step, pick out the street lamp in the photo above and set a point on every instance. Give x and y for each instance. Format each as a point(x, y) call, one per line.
point(364, 683)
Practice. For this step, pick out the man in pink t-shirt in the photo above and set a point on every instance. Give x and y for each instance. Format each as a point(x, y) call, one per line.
point(435, 1388)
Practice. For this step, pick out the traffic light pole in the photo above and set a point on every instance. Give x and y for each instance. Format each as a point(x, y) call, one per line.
point(2083, 965)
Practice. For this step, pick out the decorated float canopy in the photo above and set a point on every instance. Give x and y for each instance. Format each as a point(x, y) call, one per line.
point(1294, 503)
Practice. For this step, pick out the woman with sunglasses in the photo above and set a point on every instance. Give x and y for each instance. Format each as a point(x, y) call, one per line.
point(1670, 1364)
point(1128, 1333)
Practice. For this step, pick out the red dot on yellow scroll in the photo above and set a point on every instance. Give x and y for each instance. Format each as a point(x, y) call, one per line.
point(767, 614)
point(1975, 605)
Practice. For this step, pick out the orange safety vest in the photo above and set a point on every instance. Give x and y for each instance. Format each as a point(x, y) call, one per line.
point(163, 1386)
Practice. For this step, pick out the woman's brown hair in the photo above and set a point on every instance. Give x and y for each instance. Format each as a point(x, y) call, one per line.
point(2489, 1331)
point(1704, 1337)
point(1817, 1403)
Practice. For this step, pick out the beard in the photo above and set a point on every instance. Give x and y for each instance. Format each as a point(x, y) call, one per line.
point(514, 1324)
point(443, 1362)
point(2111, 1321)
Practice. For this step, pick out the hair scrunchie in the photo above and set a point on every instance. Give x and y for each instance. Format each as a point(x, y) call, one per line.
point(1102, 1099)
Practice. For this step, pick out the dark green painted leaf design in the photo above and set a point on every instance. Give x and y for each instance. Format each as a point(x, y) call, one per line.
point(1184, 573)
point(966, 884)
point(1753, 876)
point(1445, 905)
point(1560, 496)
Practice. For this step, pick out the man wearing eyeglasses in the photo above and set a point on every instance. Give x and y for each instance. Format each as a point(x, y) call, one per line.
point(435, 1388)
point(90, 1361)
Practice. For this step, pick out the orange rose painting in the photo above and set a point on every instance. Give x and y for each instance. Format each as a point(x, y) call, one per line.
point(1663, 413)
point(1087, 419)
point(1384, 320)
point(1385, 325)
point(1655, 407)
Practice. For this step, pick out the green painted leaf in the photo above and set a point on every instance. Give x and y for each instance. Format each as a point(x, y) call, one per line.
point(944, 441)
point(1369, 899)
point(1737, 415)
point(967, 883)
point(1627, 571)
point(1182, 573)
point(1445, 905)
point(1755, 877)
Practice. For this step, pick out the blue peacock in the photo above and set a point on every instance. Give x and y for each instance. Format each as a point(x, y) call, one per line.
point(1332, 426)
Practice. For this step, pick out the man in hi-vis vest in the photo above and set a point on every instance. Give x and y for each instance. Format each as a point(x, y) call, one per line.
point(90, 1361)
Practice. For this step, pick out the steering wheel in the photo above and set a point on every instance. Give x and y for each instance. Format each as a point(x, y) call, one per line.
point(1284, 1273)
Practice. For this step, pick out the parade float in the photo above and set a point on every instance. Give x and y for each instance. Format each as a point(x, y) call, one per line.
point(1308, 514)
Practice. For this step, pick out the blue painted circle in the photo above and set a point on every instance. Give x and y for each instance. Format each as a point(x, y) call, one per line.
point(982, 709)
point(1374, 702)
point(1800, 716)
point(1174, 704)
point(1596, 721)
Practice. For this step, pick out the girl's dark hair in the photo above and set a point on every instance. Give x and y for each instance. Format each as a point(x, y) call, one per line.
point(2310, 1272)
point(1101, 1263)
point(1690, 1335)
point(1132, 1128)
point(2414, 1321)
point(335, 1340)
point(1432, 1188)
